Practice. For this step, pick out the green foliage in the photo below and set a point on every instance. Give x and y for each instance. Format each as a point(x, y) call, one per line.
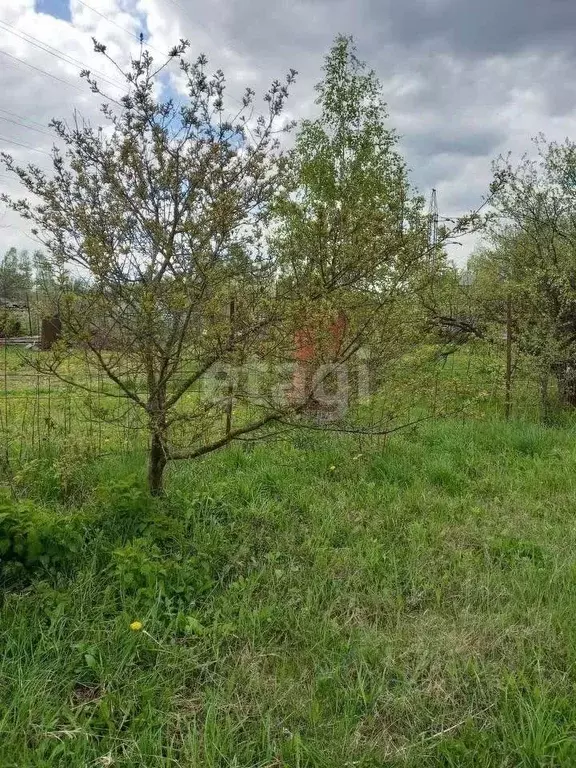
point(202, 185)
point(190, 286)
point(10, 324)
point(350, 234)
point(61, 478)
point(16, 278)
point(35, 538)
point(144, 570)
point(123, 509)
point(530, 262)
point(318, 601)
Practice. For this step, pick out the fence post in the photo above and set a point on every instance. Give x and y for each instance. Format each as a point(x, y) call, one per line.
point(508, 397)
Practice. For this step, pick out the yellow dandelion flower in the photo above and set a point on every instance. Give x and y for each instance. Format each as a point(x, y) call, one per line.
point(136, 626)
point(332, 468)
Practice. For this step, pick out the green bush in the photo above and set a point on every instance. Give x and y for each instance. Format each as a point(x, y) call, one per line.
point(123, 509)
point(36, 538)
point(60, 479)
point(10, 325)
point(143, 570)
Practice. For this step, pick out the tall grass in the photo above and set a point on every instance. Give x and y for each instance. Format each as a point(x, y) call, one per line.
point(304, 603)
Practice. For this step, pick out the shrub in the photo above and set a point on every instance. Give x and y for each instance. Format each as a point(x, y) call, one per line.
point(10, 325)
point(144, 571)
point(61, 479)
point(36, 538)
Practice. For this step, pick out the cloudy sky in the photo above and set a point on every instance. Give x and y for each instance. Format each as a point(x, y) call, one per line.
point(464, 80)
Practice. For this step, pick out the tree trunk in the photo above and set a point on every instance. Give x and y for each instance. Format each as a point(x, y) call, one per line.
point(158, 456)
point(156, 464)
point(565, 372)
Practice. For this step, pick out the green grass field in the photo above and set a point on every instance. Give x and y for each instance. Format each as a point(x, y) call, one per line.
point(42, 416)
point(306, 603)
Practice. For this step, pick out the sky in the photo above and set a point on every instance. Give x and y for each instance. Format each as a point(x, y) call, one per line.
point(464, 81)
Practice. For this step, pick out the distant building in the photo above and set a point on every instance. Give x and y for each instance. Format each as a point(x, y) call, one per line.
point(12, 305)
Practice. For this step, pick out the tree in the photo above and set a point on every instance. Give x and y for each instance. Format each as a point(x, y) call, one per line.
point(533, 253)
point(162, 214)
point(349, 228)
point(15, 275)
point(205, 247)
point(15, 283)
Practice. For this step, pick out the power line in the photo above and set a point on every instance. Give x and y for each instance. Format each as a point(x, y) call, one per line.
point(162, 53)
point(21, 117)
point(54, 77)
point(53, 52)
point(119, 26)
point(42, 71)
point(26, 146)
point(23, 125)
point(68, 59)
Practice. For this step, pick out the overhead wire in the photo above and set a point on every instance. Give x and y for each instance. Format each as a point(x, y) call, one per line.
point(67, 59)
point(22, 117)
point(39, 69)
point(162, 53)
point(23, 125)
point(49, 74)
point(119, 26)
point(26, 146)
point(41, 45)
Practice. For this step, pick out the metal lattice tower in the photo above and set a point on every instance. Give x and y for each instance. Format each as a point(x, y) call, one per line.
point(433, 227)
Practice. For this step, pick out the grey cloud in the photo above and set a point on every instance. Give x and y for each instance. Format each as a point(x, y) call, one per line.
point(472, 28)
point(471, 144)
point(464, 80)
point(467, 28)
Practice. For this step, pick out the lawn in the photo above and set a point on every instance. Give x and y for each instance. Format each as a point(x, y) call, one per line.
point(309, 602)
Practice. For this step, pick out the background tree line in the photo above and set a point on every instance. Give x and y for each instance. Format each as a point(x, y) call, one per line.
point(29, 291)
point(520, 284)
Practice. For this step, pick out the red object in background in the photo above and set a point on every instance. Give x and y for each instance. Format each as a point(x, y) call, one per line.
point(305, 345)
point(306, 354)
point(337, 332)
